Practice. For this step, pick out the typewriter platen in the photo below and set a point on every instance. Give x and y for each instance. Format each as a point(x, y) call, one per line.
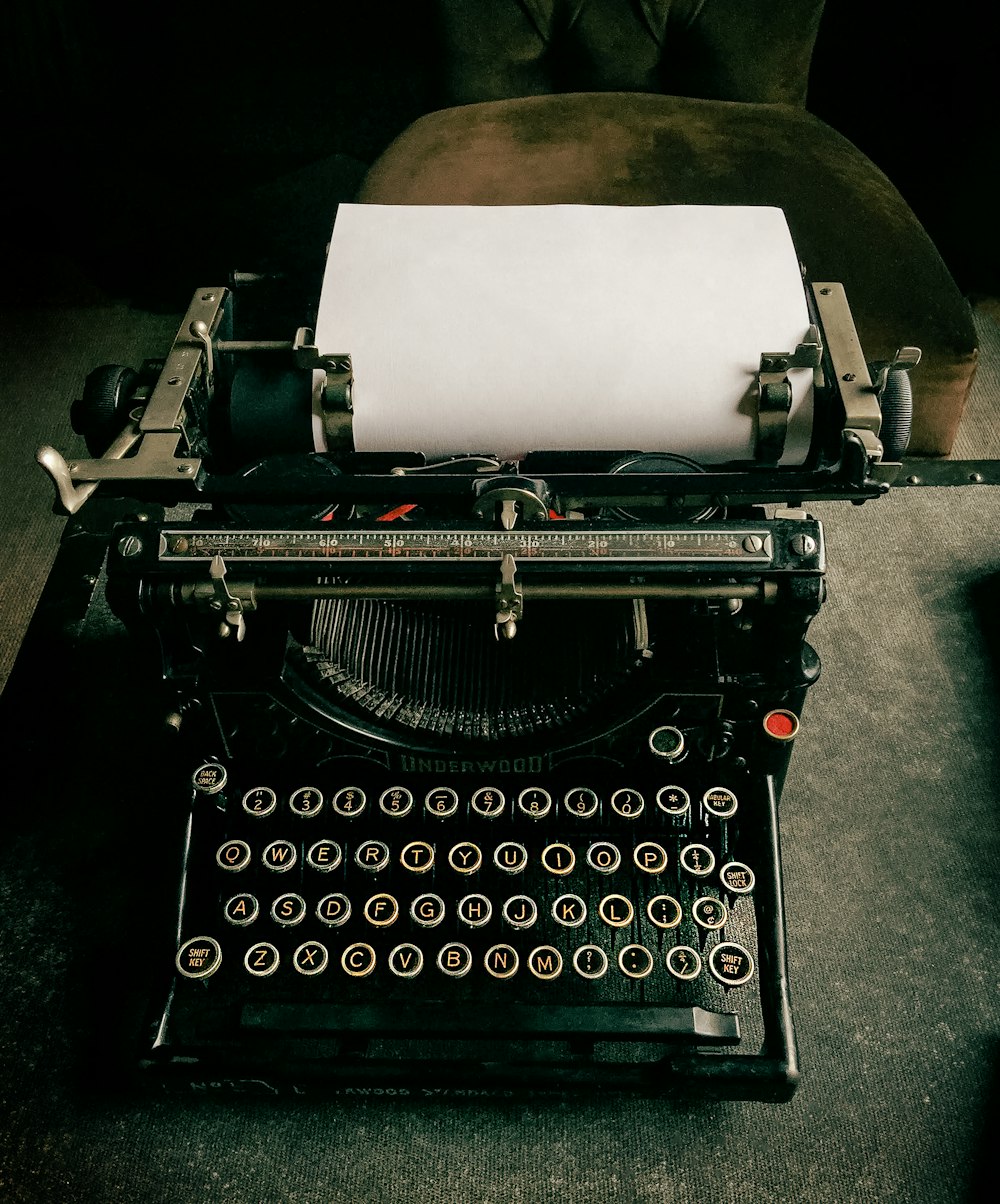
point(483, 759)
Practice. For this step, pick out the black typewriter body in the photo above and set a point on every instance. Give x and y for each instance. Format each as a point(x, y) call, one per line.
point(480, 762)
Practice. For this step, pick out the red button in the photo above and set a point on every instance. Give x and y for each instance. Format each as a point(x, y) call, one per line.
point(781, 725)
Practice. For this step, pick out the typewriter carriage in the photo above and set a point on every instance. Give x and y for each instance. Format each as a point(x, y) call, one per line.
point(194, 426)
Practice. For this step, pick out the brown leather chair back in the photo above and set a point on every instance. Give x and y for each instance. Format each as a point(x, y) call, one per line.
point(744, 50)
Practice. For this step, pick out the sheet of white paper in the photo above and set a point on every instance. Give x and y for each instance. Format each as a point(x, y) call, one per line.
point(511, 329)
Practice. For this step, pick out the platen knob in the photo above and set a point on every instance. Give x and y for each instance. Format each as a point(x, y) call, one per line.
point(102, 411)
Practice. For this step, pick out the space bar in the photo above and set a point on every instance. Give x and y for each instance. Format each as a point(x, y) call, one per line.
point(625, 1022)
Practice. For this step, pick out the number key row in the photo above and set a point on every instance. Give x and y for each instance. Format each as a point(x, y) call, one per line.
point(488, 802)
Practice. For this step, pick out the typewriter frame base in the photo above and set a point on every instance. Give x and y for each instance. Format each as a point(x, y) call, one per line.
point(268, 1069)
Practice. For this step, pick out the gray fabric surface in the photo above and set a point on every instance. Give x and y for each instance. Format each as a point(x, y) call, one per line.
point(892, 869)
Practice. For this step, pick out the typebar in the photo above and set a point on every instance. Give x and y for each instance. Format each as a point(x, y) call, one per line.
point(692, 1024)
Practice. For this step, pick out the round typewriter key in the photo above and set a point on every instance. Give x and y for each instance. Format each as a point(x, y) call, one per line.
point(730, 964)
point(288, 910)
point(781, 725)
point(396, 801)
point(629, 804)
point(720, 802)
point(581, 802)
point(520, 911)
point(603, 857)
point(558, 858)
point(199, 957)
point(279, 856)
point(569, 910)
point(667, 742)
point(417, 856)
point(697, 859)
point(372, 856)
point(455, 960)
point(358, 959)
point(683, 962)
point(501, 961)
point(233, 855)
point(260, 801)
point(307, 800)
point(709, 913)
point(465, 857)
point(488, 802)
point(324, 855)
point(261, 960)
point(241, 910)
point(475, 910)
point(616, 911)
point(635, 961)
point(664, 911)
point(427, 910)
point(737, 878)
point(334, 910)
point(441, 802)
point(545, 962)
point(534, 802)
point(510, 857)
point(406, 961)
point(381, 910)
point(674, 800)
point(650, 857)
point(590, 961)
point(348, 801)
point(310, 958)
point(209, 778)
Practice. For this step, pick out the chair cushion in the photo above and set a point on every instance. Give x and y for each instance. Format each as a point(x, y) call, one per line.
point(848, 222)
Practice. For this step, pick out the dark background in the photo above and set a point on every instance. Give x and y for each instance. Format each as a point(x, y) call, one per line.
point(148, 142)
point(133, 134)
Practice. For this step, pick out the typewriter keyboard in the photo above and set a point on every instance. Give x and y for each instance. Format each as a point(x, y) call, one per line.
point(475, 891)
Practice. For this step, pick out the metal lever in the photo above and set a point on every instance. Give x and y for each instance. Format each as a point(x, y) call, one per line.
point(774, 393)
point(199, 330)
point(69, 495)
point(224, 601)
point(510, 600)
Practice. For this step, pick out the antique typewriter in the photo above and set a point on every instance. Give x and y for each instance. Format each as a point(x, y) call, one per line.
point(481, 759)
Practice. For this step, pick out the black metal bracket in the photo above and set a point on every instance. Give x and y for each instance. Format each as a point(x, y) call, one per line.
point(949, 472)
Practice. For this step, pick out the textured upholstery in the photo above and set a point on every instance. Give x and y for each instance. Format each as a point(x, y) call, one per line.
point(498, 49)
point(727, 140)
